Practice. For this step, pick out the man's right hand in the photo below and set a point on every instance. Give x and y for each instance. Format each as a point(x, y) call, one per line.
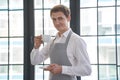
point(54, 68)
point(37, 41)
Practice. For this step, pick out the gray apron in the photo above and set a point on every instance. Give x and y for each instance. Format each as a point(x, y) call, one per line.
point(58, 55)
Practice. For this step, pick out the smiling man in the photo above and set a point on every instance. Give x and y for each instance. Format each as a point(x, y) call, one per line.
point(67, 52)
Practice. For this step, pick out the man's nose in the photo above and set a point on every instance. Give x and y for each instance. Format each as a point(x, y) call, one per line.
point(57, 21)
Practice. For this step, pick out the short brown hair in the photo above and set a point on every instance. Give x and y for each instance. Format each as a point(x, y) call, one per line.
point(60, 8)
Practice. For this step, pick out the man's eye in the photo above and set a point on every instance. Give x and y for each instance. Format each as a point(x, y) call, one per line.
point(54, 19)
point(60, 18)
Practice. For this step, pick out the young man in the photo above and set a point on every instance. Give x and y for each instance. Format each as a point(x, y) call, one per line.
point(67, 52)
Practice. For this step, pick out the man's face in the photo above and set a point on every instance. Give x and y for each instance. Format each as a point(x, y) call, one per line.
point(60, 21)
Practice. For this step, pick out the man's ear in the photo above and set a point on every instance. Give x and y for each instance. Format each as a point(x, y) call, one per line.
point(69, 18)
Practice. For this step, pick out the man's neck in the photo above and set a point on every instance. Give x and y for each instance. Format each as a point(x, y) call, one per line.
point(60, 33)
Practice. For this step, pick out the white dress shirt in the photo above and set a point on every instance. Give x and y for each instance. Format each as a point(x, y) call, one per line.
point(76, 52)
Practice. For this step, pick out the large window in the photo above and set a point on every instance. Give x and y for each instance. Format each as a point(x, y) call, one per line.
point(11, 39)
point(99, 26)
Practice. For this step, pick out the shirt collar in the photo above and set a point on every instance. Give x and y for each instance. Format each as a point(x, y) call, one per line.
point(65, 34)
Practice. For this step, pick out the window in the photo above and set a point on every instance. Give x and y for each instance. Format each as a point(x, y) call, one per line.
point(100, 31)
point(11, 40)
point(99, 27)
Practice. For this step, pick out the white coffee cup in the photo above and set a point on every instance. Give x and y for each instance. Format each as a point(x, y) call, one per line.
point(46, 38)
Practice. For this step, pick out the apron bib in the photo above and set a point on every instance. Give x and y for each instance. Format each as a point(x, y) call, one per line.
point(58, 55)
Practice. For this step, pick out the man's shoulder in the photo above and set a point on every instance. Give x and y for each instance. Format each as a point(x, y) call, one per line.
point(76, 38)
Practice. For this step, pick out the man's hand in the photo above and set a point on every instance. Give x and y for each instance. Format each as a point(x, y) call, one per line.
point(54, 68)
point(37, 41)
